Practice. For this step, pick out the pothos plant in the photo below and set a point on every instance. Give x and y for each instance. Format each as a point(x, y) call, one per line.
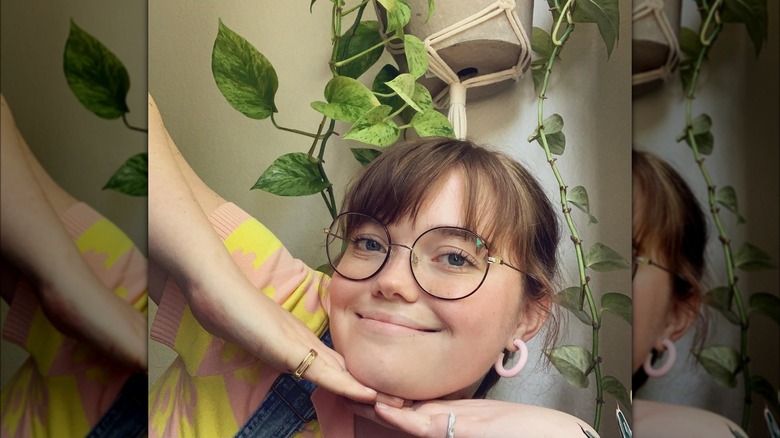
point(100, 82)
point(574, 362)
point(377, 116)
point(724, 363)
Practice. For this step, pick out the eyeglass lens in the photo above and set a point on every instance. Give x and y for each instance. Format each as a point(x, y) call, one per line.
point(446, 262)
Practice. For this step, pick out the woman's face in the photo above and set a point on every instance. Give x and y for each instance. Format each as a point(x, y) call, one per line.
point(399, 340)
point(653, 307)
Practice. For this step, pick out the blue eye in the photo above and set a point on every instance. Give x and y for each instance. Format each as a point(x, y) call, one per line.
point(368, 244)
point(372, 245)
point(456, 260)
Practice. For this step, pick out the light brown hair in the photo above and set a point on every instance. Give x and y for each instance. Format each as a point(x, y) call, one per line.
point(667, 219)
point(503, 201)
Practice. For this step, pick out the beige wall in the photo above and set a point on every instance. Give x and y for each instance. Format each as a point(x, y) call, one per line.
point(79, 150)
point(230, 151)
point(739, 92)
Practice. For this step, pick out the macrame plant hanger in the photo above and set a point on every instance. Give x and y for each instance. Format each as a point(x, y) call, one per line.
point(654, 10)
point(453, 96)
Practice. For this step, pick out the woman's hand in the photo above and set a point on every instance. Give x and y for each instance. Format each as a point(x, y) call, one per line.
point(476, 418)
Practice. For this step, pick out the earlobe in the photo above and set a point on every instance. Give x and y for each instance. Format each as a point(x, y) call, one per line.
point(678, 322)
point(530, 322)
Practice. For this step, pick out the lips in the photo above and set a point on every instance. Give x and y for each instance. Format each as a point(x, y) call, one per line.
point(391, 319)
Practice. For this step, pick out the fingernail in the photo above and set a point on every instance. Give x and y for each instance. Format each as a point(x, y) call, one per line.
point(371, 391)
point(381, 405)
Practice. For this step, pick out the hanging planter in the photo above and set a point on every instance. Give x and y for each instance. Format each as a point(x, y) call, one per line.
point(474, 48)
point(655, 43)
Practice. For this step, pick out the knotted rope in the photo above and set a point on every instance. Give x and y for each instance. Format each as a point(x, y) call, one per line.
point(656, 9)
point(454, 95)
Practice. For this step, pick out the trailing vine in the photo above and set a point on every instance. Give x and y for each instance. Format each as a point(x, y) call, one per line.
point(724, 363)
point(249, 82)
point(574, 362)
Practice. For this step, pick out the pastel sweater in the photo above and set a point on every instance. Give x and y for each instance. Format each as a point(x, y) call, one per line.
point(65, 386)
point(213, 386)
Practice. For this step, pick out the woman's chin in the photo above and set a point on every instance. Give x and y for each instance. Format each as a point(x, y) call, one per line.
point(407, 386)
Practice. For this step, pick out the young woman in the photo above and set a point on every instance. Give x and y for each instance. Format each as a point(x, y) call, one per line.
point(443, 258)
point(669, 238)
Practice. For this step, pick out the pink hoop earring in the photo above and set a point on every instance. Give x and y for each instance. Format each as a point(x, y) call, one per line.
point(515, 370)
point(671, 355)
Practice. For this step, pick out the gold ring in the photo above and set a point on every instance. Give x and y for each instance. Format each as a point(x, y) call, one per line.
point(304, 365)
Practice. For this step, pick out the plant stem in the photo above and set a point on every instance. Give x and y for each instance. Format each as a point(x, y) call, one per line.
point(735, 294)
point(319, 132)
point(282, 128)
point(124, 119)
point(330, 200)
point(344, 62)
point(398, 111)
point(354, 8)
point(585, 291)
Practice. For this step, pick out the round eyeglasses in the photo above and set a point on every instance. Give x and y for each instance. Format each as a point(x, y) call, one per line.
point(646, 261)
point(450, 263)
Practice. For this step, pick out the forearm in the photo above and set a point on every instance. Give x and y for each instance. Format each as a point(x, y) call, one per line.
point(35, 241)
point(183, 242)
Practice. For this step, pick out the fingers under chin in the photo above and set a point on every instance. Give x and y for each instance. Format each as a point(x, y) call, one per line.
point(413, 422)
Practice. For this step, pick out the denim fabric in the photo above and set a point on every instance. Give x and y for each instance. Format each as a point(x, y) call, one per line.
point(286, 408)
point(127, 416)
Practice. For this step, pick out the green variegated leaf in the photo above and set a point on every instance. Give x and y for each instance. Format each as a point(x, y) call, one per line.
point(612, 386)
point(753, 13)
point(701, 124)
point(538, 69)
point(132, 178)
point(556, 142)
point(686, 77)
point(578, 197)
point(398, 14)
point(416, 58)
point(387, 74)
point(366, 36)
point(700, 128)
point(572, 361)
point(605, 14)
point(293, 174)
point(403, 85)
point(690, 43)
point(553, 124)
point(752, 258)
point(432, 123)
point(348, 100)
point(541, 43)
point(762, 387)
point(569, 299)
point(766, 304)
point(95, 75)
point(721, 362)
point(602, 258)
point(617, 303)
point(374, 128)
point(586, 432)
point(422, 97)
point(727, 197)
point(243, 75)
point(364, 155)
point(720, 300)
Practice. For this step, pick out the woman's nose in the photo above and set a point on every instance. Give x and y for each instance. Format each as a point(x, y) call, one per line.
point(396, 279)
